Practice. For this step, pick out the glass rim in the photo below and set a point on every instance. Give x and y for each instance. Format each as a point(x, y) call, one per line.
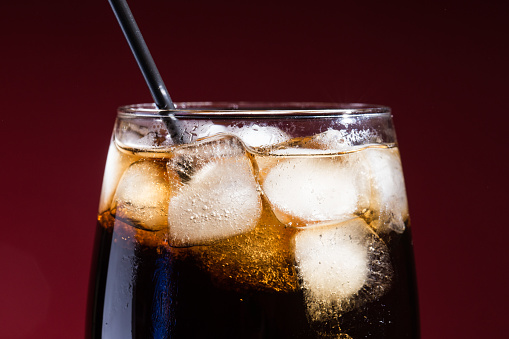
point(248, 109)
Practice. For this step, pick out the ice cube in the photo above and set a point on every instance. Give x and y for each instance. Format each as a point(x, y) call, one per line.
point(304, 189)
point(142, 133)
point(332, 140)
point(261, 259)
point(188, 159)
point(342, 266)
point(149, 133)
point(255, 135)
point(142, 195)
point(388, 198)
point(192, 130)
point(116, 163)
point(218, 196)
point(329, 142)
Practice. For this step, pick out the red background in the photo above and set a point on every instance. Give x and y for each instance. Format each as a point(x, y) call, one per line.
point(441, 66)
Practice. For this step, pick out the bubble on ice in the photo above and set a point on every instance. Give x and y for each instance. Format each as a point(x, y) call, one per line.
point(342, 266)
point(329, 142)
point(361, 137)
point(388, 197)
point(306, 189)
point(142, 195)
point(257, 135)
point(218, 196)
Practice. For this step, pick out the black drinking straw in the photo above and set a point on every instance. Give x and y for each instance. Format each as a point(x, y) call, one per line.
point(145, 62)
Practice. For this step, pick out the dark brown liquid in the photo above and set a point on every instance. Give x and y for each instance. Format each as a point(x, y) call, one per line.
point(142, 288)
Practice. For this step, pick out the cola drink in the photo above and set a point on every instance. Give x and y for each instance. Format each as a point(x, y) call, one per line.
point(255, 225)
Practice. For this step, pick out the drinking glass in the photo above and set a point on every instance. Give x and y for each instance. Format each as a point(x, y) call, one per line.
point(253, 220)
